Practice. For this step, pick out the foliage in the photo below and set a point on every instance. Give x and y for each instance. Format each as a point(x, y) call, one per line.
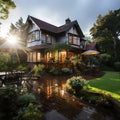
point(105, 58)
point(17, 106)
point(25, 99)
point(55, 71)
point(59, 47)
point(66, 70)
point(22, 67)
point(8, 103)
point(5, 61)
point(106, 32)
point(38, 69)
point(76, 84)
point(31, 112)
point(5, 5)
point(104, 92)
point(117, 65)
point(94, 98)
point(75, 60)
point(20, 29)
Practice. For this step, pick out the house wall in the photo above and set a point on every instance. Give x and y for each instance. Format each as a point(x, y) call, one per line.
point(34, 27)
point(44, 37)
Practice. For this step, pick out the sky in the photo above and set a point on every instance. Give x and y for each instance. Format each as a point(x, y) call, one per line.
point(56, 11)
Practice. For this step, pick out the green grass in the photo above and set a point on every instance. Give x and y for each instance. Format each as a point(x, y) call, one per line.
point(104, 92)
point(109, 82)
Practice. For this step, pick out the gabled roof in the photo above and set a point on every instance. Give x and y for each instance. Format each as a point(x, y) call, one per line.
point(91, 46)
point(54, 29)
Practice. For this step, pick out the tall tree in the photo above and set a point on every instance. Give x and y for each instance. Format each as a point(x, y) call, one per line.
point(20, 29)
point(106, 32)
point(5, 6)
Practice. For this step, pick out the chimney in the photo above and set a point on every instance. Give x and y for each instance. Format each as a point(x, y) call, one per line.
point(67, 21)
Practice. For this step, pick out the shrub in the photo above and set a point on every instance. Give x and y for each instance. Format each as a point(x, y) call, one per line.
point(55, 71)
point(25, 99)
point(105, 58)
point(22, 68)
point(66, 70)
point(5, 60)
point(38, 69)
point(8, 103)
point(76, 84)
point(31, 112)
point(117, 66)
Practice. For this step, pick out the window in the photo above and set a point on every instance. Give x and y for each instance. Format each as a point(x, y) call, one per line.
point(38, 57)
point(34, 56)
point(70, 39)
point(48, 39)
point(35, 35)
point(76, 40)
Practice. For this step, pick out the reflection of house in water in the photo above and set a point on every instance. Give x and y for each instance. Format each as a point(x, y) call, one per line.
point(53, 88)
point(49, 87)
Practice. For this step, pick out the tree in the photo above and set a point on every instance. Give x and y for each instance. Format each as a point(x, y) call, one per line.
point(20, 29)
point(106, 32)
point(5, 6)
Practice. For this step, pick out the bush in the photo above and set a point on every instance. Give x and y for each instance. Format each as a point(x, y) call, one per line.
point(38, 69)
point(55, 71)
point(105, 58)
point(22, 68)
point(117, 66)
point(5, 60)
point(66, 70)
point(8, 103)
point(30, 112)
point(25, 99)
point(76, 84)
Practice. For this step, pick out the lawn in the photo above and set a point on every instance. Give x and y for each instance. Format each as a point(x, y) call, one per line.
point(109, 82)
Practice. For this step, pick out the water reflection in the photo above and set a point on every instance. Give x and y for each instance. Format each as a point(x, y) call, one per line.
point(54, 99)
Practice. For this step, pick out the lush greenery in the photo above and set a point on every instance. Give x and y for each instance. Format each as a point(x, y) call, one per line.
point(5, 61)
point(104, 93)
point(38, 69)
point(76, 84)
point(5, 5)
point(109, 82)
point(9, 62)
point(17, 105)
point(106, 32)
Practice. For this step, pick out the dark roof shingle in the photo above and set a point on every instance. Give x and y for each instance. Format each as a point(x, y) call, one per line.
point(54, 29)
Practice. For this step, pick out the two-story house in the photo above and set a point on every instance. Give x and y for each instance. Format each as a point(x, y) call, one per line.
point(43, 35)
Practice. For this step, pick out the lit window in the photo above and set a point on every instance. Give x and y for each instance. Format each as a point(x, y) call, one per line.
point(38, 57)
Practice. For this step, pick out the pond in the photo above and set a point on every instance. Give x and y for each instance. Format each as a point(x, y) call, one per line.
point(57, 104)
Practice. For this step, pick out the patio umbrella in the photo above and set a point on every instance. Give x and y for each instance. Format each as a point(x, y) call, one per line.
point(90, 52)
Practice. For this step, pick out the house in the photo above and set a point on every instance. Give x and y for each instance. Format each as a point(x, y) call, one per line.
point(42, 36)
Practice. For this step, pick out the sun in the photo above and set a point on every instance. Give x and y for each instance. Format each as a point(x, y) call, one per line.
point(12, 39)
